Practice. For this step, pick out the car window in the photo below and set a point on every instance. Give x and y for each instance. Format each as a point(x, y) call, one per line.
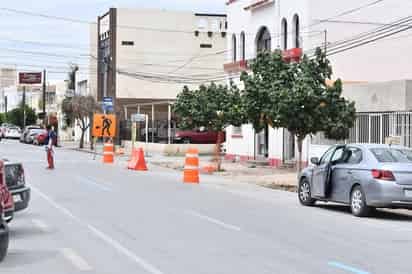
point(338, 154)
point(354, 156)
point(326, 157)
point(392, 155)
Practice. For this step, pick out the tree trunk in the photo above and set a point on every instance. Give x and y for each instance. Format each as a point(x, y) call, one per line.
point(218, 151)
point(82, 139)
point(83, 128)
point(299, 162)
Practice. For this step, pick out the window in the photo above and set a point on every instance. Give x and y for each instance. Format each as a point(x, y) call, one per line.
point(355, 156)
point(263, 40)
point(296, 31)
point(234, 48)
point(284, 34)
point(326, 157)
point(392, 155)
point(206, 46)
point(337, 156)
point(127, 43)
point(242, 46)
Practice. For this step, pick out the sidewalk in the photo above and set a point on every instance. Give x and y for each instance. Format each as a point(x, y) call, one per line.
point(282, 179)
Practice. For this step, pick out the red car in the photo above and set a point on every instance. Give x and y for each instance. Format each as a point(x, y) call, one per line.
point(40, 138)
point(6, 206)
point(197, 137)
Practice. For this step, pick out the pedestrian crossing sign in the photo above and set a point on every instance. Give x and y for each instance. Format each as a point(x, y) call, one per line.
point(104, 125)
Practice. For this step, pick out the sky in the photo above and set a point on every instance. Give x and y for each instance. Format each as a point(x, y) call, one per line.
point(28, 40)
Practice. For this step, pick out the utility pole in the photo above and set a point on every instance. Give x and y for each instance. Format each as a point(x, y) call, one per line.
point(5, 104)
point(44, 97)
point(326, 41)
point(24, 106)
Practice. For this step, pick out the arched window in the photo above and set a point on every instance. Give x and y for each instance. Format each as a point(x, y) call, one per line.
point(296, 31)
point(234, 48)
point(264, 40)
point(284, 34)
point(242, 46)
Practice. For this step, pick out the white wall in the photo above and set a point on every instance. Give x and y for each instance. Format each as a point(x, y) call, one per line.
point(166, 53)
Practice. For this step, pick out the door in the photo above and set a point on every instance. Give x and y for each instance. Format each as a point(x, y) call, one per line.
point(322, 172)
point(345, 172)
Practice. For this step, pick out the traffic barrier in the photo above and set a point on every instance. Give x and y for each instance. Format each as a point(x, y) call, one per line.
point(137, 162)
point(191, 169)
point(108, 153)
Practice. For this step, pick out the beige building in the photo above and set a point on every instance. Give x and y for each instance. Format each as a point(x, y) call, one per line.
point(146, 56)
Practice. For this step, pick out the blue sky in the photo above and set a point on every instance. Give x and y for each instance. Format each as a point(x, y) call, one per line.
point(71, 40)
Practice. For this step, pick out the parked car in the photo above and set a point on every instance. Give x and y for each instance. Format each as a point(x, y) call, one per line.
point(3, 128)
point(32, 135)
point(4, 201)
point(197, 137)
point(363, 176)
point(26, 131)
point(40, 138)
point(12, 133)
point(16, 183)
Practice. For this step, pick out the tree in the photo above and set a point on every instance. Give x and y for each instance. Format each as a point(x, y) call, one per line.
point(3, 118)
point(214, 107)
point(296, 96)
point(307, 105)
point(16, 115)
point(80, 108)
point(72, 77)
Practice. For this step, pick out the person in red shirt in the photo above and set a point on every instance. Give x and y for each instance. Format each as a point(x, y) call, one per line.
point(50, 142)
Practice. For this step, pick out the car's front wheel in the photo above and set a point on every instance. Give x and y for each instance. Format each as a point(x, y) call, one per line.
point(305, 194)
point(358, 204)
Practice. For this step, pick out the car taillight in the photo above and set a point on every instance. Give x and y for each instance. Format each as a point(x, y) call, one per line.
point(383, 175)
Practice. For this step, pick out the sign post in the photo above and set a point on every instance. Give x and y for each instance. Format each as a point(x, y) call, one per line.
point(28, 78)
point(136, 119)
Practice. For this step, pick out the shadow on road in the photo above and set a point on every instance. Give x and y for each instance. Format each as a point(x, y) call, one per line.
point(379, 214)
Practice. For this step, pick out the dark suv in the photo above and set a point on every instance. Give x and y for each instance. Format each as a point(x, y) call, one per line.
point(16, 184)
point(4, 197)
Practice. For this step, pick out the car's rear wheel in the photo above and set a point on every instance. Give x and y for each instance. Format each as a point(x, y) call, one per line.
point(358, 204)
point(305, 194)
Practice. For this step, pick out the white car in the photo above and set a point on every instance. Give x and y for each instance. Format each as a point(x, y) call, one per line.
point(12, 133)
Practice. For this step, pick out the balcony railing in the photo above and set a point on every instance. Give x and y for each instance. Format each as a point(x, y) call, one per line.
point(291, 55)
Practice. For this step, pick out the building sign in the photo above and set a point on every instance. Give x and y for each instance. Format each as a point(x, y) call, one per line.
point(30, 78)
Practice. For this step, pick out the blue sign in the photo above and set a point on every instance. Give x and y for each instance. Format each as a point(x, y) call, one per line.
point(108, 103)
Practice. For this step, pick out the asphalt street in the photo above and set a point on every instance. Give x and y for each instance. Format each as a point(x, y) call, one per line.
point(86, 217)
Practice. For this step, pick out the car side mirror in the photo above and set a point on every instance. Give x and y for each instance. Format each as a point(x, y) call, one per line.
point(314, 160)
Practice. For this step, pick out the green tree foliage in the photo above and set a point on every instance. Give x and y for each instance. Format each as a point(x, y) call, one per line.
point(214, 107)
point(80, 109)
point(16, 115)
point(296, 96)
point(3, 118)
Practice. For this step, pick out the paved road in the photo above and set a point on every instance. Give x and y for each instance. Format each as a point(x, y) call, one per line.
point(89, 218)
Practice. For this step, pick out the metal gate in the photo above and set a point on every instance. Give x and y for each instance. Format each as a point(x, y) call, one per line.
point(377, 128)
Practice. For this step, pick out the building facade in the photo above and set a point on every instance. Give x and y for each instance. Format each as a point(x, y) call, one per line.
point(147, 56)
point(297, 27)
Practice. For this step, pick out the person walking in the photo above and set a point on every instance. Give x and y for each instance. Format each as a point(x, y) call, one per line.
point(50, 142)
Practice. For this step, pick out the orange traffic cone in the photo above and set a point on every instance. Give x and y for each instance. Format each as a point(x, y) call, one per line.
point(108, 153)
point(191, 170)
point(138, 162)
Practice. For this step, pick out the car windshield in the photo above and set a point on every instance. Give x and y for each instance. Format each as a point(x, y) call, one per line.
point(392, 155)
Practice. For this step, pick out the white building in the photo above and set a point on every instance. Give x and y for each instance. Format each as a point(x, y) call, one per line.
point(297, 26)
point(146, 56)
